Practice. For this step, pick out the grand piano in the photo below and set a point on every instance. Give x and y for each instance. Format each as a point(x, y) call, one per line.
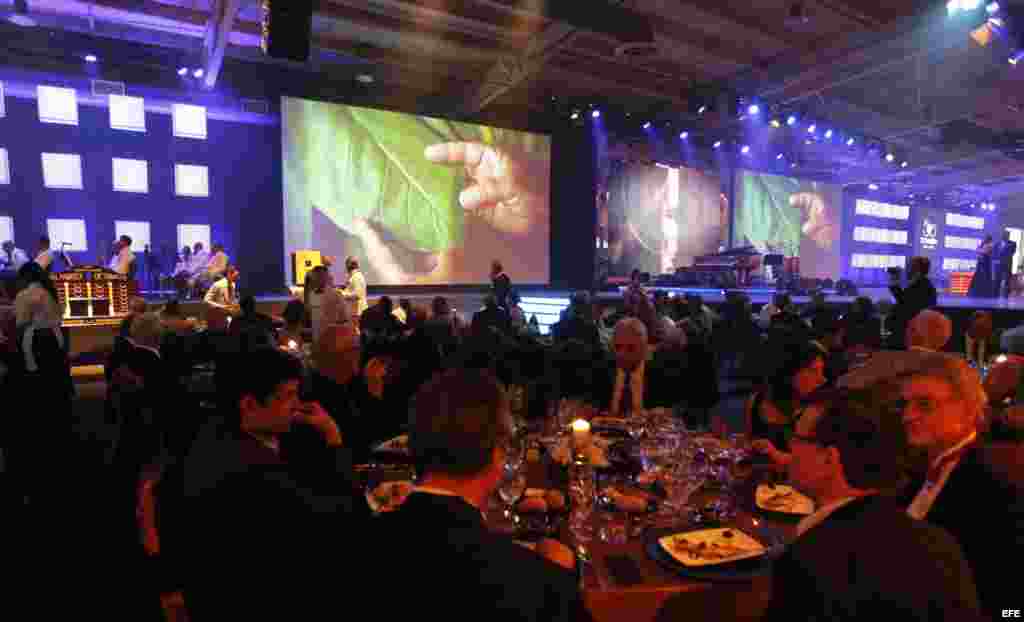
point(726, 269)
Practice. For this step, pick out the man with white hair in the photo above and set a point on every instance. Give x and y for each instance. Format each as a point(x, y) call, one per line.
point(929, 330)
point(941, 402)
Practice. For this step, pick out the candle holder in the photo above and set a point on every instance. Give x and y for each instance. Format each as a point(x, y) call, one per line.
point(581, 441)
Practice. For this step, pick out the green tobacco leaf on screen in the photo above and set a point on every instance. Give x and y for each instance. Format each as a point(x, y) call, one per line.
point(382, 175)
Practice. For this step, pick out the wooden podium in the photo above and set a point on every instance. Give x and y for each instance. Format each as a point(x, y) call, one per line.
point(92, 295)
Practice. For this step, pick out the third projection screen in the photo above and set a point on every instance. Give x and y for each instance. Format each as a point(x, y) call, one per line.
point(791, 217)
point(418, 200)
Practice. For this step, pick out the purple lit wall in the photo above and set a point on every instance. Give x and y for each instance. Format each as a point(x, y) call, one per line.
point(241, 151)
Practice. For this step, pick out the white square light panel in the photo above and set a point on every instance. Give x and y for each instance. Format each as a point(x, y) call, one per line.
point(188, 235)
point(70, 230)
point(189, 121)
point(127, 113)
point(5, 168)
point(3, 103)
point(137, 231)
point(6, 228)
point(57, 105)
point(131, 175)
point(191, 180)
point(62, 170)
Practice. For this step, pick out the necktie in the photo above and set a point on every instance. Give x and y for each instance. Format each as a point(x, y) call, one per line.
point(935, 471)
point(626, 404)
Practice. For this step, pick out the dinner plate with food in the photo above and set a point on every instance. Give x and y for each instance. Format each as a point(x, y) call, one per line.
point(711, 547)
point(783, 499)
point(399, 445)
point(388, 496)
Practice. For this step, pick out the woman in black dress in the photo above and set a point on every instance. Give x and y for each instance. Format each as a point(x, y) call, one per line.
point(981, 283)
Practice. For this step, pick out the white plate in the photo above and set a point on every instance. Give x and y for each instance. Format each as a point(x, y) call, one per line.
point(739, 546)
point(783, 499)
point(399, 444)
point(389, 496)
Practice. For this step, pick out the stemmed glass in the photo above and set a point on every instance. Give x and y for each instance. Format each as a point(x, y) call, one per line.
point(581, 493)
point(512, 487)
point(635, 426)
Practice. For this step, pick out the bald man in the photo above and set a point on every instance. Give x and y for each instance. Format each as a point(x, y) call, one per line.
point(929, 330)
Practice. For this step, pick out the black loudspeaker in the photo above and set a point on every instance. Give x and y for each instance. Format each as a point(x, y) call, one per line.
point(846, 287)
point(287, 28)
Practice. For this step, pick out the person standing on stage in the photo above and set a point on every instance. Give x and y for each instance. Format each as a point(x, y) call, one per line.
point(122, 260)
point(224, 294)
point(12, 258)
point(356, 286)
point(501, 284)
point(44, 256)
point(1002, 263)
point(217, 265)
point(981, 282)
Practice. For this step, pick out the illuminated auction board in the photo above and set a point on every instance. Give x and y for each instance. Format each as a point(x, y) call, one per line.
point(92, 295)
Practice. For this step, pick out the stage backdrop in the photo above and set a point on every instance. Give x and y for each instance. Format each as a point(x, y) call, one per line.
point(659, 218)
point(419, 200)
point(794, 217)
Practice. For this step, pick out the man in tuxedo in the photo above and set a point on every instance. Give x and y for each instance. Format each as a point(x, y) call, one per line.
point(859, 556)
point(919, 295)
point(436, 549)
point(1002, 265)
point(955, 486)
point(243, 524)
point(501, 284)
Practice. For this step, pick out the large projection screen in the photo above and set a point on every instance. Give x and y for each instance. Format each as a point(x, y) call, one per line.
point(420, 201)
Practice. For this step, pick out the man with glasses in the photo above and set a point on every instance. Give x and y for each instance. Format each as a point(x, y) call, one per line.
point(859, 556)
point(941, 402)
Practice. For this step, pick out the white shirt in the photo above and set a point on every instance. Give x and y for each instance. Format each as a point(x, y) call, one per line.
point(218, 264)
point(926, 497)
point(819, 516)
point(44, 259)
point(221, 294)
point(357, 289)
point(636, 381)
point(17, 259)
point(123, 261)
point(199, 262)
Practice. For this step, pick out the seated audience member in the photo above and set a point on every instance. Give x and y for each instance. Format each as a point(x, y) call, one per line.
point(457, 437)
point(378, 321)
point(929, 330)
point(401, 312)
point(920, 294)
point(830, 334)
point(688, 367)
point(780, 303)
point(421, 356)
point(859, 556)
point(290, 337)
point(238, 519)
point(489, 319)
point(443, 327)
point(1004, 377)
point(136, 306)
point(814, 308)
point(174, 319)
point(223, 294)
point(941, 402)
point(863, 329)
point(516, 315)
point(252, 326)
point(577, 322)
point(772, 413)
point(700, 319)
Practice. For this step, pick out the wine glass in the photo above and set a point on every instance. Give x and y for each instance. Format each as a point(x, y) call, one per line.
point(581, 493)
point(511, 489)
point(514, 454)
point(635, 426)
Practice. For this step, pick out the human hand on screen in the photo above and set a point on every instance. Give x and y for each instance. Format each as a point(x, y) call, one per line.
point(508, 188)
point(816, 224)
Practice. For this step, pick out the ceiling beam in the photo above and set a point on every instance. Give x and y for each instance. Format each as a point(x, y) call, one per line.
point(215, 43)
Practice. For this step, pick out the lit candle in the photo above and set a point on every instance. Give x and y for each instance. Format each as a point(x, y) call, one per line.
point(580, 435)
point(292, 345)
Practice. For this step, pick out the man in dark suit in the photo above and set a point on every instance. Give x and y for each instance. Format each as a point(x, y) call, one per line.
point(252, 326)
point(501, 284)
point(919, 295)
point(859, 556)
point(242, 524)
point(577, 322)
point(1002, 265)
point(489, 319)
point(379, 321)
point(941, 401)
point(436, 550)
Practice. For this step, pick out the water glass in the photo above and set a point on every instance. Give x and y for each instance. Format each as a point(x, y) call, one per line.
point(511, 489)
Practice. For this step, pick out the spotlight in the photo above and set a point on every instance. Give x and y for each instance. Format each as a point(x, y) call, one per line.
point(717, 144)
point(776, 123)
point(596, 114)
point(684, 135)
point(828, 134)
point(575, 114)
point(753, 109)
point(183, 71)
point(812, 128)
point(745, 150)
point(808, 142)
point(367, 78)
point(850, 141)
point(779, 156)
point(91, 58)
point(1013, 60)
point(992, 8)
point(904, 164)
point(198, 73)
point(20, 17)
point(702, 110)
point(872, 186)
point(647, 125)
point(791, 120)
point(889, 157)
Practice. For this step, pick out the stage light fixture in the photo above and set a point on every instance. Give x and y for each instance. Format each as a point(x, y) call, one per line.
point(850, 141)
point(647, 125)
point(20, 17)
point(753, 109)
point(776, 123)
point(91, 58)
point(575, 115)
point(596, 114)
point(812, 128)
point(198, 73)
point(702, 110)
point(828, 134)
point(779, 156)
point(745, 150)
point(889, 157)
point(717, 144)
point(904, 164)
point(1013, 60)
point(182, 71)
point(791, 120)
point(992, 8)
point(684, 135)
point(872, 186)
